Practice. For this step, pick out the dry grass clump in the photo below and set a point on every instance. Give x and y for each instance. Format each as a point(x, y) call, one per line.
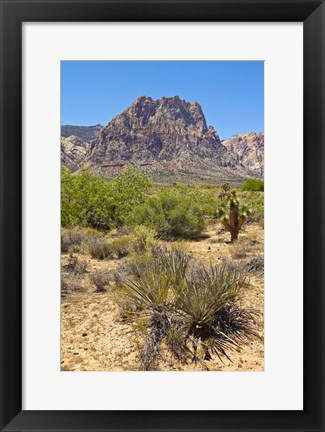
point(101, 279)
point(77, 240)
point(70, 282)
point(121, 246)
point(76, 265)
point(101, 249)
point(256, 264)
point(181, 245)
point(240, 248)
point(72, 275)
point(193, 310)
point(236, 266)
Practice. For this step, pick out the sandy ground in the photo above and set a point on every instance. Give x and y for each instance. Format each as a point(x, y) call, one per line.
point(94, 337)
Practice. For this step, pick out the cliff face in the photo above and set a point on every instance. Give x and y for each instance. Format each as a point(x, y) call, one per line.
point(170, 140)
point(167, 137)
point(160, 129)
point(249, 151)
point(73, 152)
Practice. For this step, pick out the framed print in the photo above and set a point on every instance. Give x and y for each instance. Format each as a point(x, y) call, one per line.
point(149, 281)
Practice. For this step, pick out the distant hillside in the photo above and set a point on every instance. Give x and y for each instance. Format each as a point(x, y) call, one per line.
point(85, 133)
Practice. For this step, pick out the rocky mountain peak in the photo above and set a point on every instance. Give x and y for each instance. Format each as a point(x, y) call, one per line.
point(159, 135)
point(146, 110)
point(156, 129)
point(169, 139)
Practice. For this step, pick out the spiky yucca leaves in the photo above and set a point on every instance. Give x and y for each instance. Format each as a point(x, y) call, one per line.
point(174, 263)
point(151, 293)
point(149, 290)
point(207, 298)
point(231, 214)
point(194, 310)
point(158, 326)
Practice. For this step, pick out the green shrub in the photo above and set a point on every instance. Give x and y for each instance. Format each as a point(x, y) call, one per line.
point(93, 200)
point(256, 217)
point(142, 239)
point(174, 213)
point(253, 185)
point(255, 202)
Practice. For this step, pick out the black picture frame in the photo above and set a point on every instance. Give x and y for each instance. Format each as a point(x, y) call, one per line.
point(13, 14)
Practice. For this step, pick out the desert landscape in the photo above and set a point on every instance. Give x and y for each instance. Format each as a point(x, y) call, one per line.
point(162, 242)
point(96, 336)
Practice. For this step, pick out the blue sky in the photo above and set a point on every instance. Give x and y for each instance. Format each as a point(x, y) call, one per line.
point(231, 93)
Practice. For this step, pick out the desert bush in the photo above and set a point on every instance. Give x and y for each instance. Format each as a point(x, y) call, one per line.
point(256, 264)
point(76, 265)
point(194, 310)
point(70, 283)
point(142, 239)
point(77, 239)
point(173, 213)
point(93, 200)
point(101, 249)
point(253, 185)
point(101, 279)
point(254, 200)
point(256, 218)
point(121, 246)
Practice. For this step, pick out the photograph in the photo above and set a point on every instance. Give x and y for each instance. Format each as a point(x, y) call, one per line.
point(162, 215)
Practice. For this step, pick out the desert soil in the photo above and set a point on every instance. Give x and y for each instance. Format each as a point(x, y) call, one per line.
point(94, 337)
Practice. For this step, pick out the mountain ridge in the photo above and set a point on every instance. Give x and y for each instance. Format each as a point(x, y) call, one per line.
point(170, 140)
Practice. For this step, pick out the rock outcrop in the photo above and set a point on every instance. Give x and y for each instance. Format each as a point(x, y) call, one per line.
point(73, 152)
point(168, 138)
point(248, 148)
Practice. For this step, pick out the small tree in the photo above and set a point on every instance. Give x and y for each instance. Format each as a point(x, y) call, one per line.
point(231, 214)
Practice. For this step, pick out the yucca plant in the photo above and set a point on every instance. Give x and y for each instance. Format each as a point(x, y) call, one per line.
point(149, 290)
point(231, 214)
point(174, 263)
point(194, 310)
point(203, 304)
point(148, 294)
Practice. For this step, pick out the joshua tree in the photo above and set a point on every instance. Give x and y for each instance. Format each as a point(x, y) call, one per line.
point(231, 214)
